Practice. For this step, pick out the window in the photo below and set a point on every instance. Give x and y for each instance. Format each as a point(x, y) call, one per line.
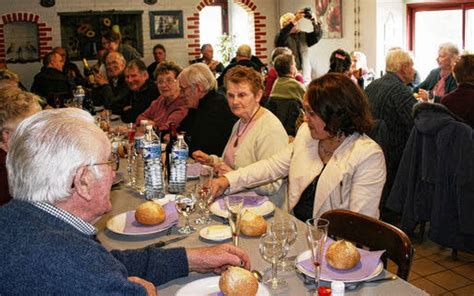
point(432, 24)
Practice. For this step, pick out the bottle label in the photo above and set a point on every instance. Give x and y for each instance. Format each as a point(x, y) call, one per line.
point(152, 151)
point(179, 154)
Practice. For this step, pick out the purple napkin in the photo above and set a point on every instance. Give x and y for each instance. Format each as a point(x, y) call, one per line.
point(194, 169)
point(216, 294)
point(132, 226)
point(367, 265)
point(251, 199)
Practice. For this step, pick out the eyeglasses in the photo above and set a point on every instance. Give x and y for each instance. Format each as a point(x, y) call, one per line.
point(166, 81)
point(113, 162)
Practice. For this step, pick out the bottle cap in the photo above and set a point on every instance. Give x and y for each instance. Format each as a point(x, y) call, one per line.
point(180, 136)
point(149, 127)
point(143, 122)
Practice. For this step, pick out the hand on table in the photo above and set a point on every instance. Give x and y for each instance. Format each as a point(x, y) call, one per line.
point(221, 168)
point(218, 186)
point(201, 157)
point(216, 258)
point(149, 287)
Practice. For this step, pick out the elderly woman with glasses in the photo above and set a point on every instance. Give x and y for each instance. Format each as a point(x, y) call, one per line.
point(257, 135)
point(170, 107)
point(331, 163)
point(15, 105)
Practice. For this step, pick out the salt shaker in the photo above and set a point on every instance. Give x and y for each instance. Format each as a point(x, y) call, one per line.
point(337, 288)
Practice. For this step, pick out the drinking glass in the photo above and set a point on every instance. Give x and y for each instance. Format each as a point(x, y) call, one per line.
point(317, 232)
point(234, 205)
point(204, 195)
point(185, 205)
point(286, 229)
point(273, 248)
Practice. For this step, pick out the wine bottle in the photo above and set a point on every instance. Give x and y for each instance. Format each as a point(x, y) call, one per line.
point(88, 73)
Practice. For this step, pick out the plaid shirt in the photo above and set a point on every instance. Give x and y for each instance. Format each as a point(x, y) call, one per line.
point(74, 221)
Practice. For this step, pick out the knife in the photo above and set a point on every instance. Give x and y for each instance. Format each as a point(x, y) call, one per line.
point(167, 242)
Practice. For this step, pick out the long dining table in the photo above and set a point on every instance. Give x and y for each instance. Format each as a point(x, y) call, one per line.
point(125, 199)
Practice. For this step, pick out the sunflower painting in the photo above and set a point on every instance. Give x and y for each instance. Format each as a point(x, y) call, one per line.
point(329, 13)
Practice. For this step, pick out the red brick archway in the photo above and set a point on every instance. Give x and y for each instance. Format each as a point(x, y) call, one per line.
point(44, 32)
point(193, 35)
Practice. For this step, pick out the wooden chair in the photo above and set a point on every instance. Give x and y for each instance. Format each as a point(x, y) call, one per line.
point(374, 234)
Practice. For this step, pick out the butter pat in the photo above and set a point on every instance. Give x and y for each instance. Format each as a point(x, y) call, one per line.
point(218, 231)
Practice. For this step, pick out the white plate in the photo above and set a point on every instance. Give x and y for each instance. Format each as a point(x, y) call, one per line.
point(216, 235)
point(264, 209)
point(307, 254)
point(210, 286)
point(117, 223)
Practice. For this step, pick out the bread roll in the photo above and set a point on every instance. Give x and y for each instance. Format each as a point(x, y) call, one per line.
point(342, 255)
point(252, 224)
point(237, 281)
point(150, 213)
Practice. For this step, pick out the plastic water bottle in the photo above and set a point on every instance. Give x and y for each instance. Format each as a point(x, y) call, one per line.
point(153, 167)
point(178, 158)
point(79, 96)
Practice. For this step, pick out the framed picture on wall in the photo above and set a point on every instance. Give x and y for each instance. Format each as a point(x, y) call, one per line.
point(329, 13)
point(166, 24)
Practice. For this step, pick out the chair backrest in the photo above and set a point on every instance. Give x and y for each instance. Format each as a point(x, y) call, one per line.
point(287, 110)
point(373, 234)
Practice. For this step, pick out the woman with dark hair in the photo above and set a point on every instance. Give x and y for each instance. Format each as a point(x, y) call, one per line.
point(340, 62)
point(332, 163)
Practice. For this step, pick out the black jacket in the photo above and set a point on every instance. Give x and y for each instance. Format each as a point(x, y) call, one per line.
point(435, 179)
point(112, 96)
point(209, 126)
point(140, 101)
point(297, 40)
point(51, 82)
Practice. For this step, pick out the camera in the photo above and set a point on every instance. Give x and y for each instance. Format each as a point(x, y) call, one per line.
point(307, 13)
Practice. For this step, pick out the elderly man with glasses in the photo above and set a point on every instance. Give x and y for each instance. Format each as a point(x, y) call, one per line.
point(60, 179)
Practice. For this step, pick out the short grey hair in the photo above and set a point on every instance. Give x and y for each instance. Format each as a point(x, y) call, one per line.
point(244, 51)
point(451, 48)
point(397, 58)
point(199, 73)
point(47, 149)
point(119, 56)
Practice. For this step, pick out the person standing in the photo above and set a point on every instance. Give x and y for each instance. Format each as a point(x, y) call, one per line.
point(159, 54)
point(290, 36)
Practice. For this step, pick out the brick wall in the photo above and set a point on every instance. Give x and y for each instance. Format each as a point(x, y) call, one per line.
point(44, 32)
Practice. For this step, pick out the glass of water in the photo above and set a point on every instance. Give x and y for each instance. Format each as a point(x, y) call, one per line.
point(185, 205)
point(234, 205)
point(285, 229)
point(273, 249)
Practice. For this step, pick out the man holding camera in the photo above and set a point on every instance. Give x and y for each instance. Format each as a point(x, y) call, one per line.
point(290, 36)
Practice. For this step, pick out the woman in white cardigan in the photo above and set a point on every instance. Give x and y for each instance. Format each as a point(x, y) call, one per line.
point(257, 135)
point(331, 163)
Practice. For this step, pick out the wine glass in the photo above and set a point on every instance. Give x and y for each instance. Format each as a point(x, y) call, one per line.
point(234, 205)
point(185, 205)
point(285, 228)
point(273, 248)
point(203, 193)
point(317, 232)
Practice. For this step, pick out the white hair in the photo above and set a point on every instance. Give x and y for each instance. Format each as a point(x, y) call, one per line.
point(451, 48)
point(199, 73)
point(47, 149)
point(395, 59)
